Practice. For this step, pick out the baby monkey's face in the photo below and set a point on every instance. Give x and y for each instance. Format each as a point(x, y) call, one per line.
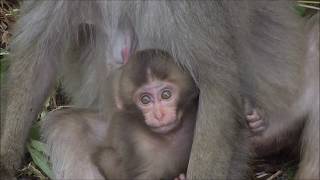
point(158, 100)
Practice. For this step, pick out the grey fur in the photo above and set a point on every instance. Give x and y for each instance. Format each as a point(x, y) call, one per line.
point(299, 126)
point(309, 165)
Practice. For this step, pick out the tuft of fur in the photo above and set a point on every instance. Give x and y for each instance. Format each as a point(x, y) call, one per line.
point(72, 136)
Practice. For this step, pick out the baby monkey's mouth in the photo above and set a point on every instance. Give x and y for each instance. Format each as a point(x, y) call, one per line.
point(166, 128)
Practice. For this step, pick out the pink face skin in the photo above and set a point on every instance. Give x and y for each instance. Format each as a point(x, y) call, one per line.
point(158, 102)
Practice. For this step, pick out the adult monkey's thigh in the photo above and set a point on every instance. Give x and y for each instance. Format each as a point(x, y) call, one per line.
point(268, 51)
point(44, 46)
point(299, 125)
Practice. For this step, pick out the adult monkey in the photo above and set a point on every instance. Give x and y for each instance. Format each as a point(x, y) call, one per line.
point(211, 39)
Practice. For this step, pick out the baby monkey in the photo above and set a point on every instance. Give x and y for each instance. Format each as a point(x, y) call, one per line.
point(153, 106)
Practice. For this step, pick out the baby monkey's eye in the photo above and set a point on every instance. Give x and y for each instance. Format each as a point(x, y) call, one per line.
point(166, 94)
point(145, 99)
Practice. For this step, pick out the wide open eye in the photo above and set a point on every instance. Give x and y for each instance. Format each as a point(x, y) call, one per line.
point(166, 94)
point(145, 99)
